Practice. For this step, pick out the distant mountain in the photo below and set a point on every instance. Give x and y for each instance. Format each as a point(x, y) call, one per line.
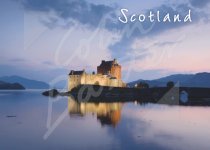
point(27, 83)
point(187, 80)
point(10, 86)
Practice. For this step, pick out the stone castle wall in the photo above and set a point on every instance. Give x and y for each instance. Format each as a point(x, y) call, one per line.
point(116, 71)
point(110, 68)
point(93, 79)
point(74, 81)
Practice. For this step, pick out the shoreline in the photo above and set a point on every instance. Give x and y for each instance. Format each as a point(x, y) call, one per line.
point(165, 95)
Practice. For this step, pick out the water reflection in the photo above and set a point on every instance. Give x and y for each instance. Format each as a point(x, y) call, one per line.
point(126, 125)
point(107, 113)
point(149, 126)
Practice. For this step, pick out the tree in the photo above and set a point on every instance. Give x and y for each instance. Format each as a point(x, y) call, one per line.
point(170, 84)
point(142, 85)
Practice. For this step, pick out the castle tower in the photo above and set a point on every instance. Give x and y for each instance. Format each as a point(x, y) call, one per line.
point(110, 68)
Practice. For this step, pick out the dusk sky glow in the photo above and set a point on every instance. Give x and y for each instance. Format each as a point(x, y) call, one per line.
point(44, 39)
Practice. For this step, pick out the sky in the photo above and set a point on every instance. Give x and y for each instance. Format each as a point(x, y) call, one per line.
point(45, 39)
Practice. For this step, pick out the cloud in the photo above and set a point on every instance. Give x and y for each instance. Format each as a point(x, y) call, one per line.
point(199, 3)
point(166, 43)
point(88, 15)
point(93, 14)
point(132, 31)
point(79, 10)
point(17, 60)
point(50, 63)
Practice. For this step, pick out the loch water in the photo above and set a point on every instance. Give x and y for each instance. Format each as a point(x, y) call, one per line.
point(29, 120)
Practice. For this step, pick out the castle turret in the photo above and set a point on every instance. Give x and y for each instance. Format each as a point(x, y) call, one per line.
point(110, 68)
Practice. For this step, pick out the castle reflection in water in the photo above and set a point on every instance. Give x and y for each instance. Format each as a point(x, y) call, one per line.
point(107, 113)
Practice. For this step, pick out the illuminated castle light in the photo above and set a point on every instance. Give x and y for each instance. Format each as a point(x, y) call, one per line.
point(108, 74)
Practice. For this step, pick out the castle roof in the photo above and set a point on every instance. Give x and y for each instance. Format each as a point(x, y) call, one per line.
point(80, 72)
point(108, 63)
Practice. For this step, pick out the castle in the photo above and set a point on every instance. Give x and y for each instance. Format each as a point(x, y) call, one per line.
point(108, 74)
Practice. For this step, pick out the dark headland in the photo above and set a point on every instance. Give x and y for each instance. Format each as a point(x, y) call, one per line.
point(192, 96)
point(11, 86)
